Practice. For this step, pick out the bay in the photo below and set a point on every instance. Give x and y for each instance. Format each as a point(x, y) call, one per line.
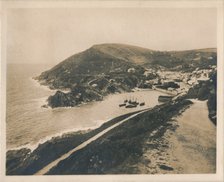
point(27, 124)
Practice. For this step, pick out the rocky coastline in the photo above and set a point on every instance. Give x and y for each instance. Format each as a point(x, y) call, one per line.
point(25, 162)
point(108, 69)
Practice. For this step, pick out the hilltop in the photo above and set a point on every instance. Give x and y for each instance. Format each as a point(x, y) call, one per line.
point(109, 68)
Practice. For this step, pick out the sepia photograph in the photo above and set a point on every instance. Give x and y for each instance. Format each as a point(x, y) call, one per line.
point(112, 89)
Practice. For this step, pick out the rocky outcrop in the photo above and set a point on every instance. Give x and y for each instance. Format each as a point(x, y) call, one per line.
point(200, 91)
point(93, 88)
point(212, 98)
point(15, 158)
point(206, 90)
point(77, 96)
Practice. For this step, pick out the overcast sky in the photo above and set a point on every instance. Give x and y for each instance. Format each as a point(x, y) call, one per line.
point(51, 35)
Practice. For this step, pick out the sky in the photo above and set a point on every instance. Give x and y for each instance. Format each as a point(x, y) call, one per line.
point(51, 35)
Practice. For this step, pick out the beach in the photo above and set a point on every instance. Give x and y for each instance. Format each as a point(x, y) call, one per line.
point(28, 124)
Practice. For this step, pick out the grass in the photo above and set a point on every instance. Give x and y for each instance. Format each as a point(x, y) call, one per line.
point(113, 152)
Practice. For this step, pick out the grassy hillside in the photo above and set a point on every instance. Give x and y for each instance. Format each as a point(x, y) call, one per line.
point(83, 67)
point(200, 58)
point(108, 68)
point(118, 58)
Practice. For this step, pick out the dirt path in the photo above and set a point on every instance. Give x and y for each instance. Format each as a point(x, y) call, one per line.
point(187, 147)
point(84, 144)
point(194, 143)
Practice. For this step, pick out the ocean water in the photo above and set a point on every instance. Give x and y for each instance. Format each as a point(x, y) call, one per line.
point(27, 124)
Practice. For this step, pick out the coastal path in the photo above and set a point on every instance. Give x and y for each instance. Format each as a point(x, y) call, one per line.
point(194, 142)
point(84, 144)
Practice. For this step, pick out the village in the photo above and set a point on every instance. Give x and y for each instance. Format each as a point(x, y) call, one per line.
point(177, 82)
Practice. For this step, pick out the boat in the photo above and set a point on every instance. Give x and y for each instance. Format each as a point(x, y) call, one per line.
point(163, 98)
point(129, 103)
point(130, 106)
point(133, 102)
point(142, 104)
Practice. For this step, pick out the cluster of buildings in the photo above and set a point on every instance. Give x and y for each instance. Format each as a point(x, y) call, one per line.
point(178, 82)
point(198, 76)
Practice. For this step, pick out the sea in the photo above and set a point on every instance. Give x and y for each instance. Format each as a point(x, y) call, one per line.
point(28, 124)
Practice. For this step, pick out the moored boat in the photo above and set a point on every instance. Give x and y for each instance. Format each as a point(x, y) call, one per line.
point(142, 104)
point(163, 98)
point(131, 103)
point(130, 106)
